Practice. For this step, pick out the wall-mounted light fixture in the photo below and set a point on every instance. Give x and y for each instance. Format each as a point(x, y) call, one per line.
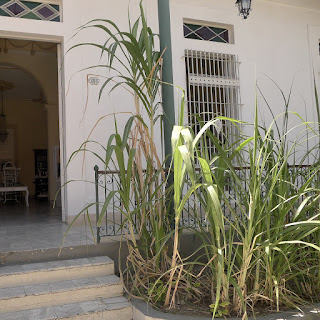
point(244, 7)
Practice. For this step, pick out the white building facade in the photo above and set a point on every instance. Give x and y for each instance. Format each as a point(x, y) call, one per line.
point(278, 42)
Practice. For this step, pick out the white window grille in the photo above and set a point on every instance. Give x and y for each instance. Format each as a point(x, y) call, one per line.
point(213, 89)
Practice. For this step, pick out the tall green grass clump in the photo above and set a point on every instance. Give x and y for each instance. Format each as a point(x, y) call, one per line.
point(256, 203)
point(134, 63)
point(260, 242)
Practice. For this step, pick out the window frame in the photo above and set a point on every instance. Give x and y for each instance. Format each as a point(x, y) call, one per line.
point(203, 23)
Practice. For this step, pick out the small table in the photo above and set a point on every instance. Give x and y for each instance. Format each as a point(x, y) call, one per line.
point(17, 189)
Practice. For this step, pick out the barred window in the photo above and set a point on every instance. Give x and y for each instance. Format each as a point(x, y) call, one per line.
point(213, 89)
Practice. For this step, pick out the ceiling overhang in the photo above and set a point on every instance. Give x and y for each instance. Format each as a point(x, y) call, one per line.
point(307, 4)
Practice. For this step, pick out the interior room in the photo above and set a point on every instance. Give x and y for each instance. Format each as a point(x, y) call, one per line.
point(29, 128)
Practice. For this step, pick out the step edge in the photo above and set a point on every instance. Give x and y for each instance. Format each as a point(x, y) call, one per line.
point(126, 305)
point(108, 284)
point(55, 269)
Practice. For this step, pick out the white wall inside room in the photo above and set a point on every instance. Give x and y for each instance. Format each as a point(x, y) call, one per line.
point(273, 43)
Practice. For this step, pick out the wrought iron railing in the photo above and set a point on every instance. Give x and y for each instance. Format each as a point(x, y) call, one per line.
point(114, 222)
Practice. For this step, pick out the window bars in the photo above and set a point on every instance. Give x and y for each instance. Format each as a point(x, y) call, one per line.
point(213, 89)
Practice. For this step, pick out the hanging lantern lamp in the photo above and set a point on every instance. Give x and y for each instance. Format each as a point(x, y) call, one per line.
point(244, 7)
point(3, 122)
point(3, 128)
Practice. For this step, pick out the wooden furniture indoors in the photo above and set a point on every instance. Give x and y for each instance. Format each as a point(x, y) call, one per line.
point(11, 187)
point(41, 173)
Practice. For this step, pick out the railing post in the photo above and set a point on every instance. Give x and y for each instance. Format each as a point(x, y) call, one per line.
point(96, 181)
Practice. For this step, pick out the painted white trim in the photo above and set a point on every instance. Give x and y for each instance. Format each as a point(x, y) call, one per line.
point(58, 40)
point(58, 2)
point(307, 5)
point(228, 27)
point(62, 126)
point(30, 36)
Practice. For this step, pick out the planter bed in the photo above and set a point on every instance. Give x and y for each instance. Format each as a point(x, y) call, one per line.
point(143, 311)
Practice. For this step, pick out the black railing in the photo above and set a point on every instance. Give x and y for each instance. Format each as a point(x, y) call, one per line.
point(193, 215)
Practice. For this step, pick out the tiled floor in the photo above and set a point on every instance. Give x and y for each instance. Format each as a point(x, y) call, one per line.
point(60, 286)
point(69, 310)
point(37, 227)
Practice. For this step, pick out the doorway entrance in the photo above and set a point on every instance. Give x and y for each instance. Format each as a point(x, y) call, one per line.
point(31, 111)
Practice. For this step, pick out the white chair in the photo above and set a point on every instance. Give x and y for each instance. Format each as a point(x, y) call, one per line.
point(10, 179)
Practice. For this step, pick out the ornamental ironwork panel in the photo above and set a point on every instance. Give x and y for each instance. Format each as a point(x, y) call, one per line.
point(30, 10)
point(233, 201)
point(206, 33)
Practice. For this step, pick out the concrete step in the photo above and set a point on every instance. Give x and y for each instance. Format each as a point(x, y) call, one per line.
point(99, 309)
point(48, 272)
point(109, 247)
point(56, 293)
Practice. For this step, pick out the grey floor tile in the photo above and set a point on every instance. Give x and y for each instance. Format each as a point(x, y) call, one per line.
point(100, 260)
point(35, 266)
point(83, 261)
point(37, 227)
point(21, 243)
point(119, 305)
point(37, 289)
point(11, 269)
point(108, 279)
point(22, 315)
point(4, 241)
point(42, 314)
point(91, 306)
point(19, 248)
point(6, 293)
point(57, 264)
point(116, 303)
point(85, 282)
point(68, 310)
point(62, 285)
point(115, 300)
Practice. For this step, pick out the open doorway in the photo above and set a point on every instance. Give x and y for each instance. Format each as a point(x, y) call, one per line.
point(29, 75)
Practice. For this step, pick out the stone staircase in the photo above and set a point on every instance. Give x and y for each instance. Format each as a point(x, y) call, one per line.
point(74, 289)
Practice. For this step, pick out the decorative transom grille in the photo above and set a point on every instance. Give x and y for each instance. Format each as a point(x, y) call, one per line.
point(207, 33)
point(30, 10)
point(213, 89)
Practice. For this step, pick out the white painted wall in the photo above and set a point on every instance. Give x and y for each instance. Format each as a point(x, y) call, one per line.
point(277, 41)
point(273, 42)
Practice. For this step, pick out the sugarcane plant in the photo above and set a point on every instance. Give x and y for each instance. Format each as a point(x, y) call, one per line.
point(133, 62)
point(260, 239)
point(255, 201)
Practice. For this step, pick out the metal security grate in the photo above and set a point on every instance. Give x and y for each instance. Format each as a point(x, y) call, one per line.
point(213, 89)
